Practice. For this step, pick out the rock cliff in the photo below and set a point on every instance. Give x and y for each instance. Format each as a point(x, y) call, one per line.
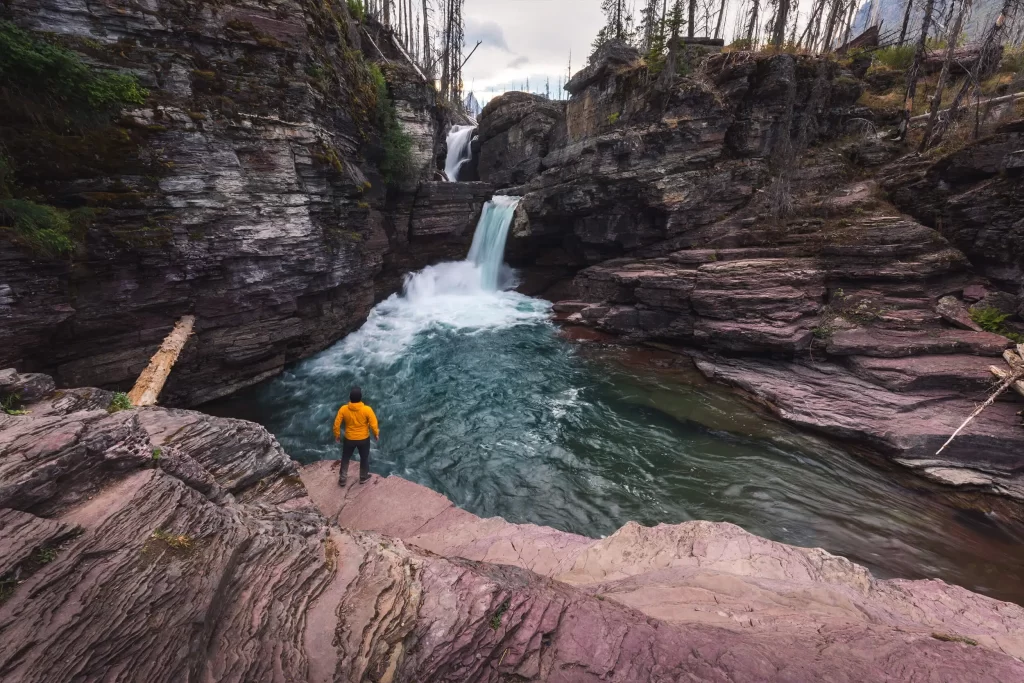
point(247, 190)
point(159, 545)
point(736, 214)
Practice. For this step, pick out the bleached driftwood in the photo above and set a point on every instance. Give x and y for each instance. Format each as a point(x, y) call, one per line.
point(1014, 378)
point(151, 382)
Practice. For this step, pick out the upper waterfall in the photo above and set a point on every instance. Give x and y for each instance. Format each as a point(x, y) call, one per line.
point(459, 151)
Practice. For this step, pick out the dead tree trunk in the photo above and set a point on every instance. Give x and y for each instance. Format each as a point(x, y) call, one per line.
point(721, 16)
point(989, 49)
point(940, 87)
point(427, 60)
point(752, 26)
point(914, 72)
point(779, 30)
point(691, 18)
point(151, 382)
point(906, 22)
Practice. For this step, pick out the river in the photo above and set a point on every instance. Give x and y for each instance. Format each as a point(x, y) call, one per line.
point(482, 398)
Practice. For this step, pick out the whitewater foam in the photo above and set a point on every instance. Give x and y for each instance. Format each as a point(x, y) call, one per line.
point(469, 296)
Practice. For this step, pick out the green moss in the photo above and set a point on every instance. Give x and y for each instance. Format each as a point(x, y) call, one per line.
point(496, 617)
point(11, 405)
point(59, 76)
point(613, 118)
point(329, 157)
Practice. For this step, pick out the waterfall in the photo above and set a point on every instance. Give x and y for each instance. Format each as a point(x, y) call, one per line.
point(462, 295)
point(488, 250)
point(459, 150)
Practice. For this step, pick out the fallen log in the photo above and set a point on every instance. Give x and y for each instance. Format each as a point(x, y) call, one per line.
point(151, 382)
point(992, 100)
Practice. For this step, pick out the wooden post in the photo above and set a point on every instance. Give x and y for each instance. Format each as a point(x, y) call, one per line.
point(151, 382)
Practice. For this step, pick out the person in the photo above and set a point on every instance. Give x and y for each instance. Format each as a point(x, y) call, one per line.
point(358, 419)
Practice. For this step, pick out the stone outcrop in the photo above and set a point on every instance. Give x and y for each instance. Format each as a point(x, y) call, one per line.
point(514, 136)
point(245, 191)
point(975, 198)
point(730, 214)
point(157, 544)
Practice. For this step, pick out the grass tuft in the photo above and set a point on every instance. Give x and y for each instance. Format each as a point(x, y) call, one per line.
point(896, 57)
point(120, 402)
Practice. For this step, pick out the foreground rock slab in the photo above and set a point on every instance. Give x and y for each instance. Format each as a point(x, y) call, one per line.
point(696, 573)
point(166, 545)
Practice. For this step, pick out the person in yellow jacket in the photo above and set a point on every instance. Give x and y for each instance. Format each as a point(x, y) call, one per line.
point(358, 419)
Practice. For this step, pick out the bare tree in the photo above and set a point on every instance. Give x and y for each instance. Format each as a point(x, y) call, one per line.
point(987, 59)
point(721, 17)
point(779, 30)
point(427, 59)
point(914, 72)
point(752, 26)
point(906, 22)
point(951, 42)
point(691, 18)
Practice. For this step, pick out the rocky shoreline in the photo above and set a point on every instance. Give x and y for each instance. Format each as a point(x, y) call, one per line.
point(145, 543)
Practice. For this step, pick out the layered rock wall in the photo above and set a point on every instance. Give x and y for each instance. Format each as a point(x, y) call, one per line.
point(245, 191)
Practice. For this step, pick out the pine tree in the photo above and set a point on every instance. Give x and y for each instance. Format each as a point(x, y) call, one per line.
point(650, 24)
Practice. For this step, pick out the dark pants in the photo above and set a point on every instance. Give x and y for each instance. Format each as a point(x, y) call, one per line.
point(348, 448)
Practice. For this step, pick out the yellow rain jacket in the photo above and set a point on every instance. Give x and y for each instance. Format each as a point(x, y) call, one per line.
point(359, 419)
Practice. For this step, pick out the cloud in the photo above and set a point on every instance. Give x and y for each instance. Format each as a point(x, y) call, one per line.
point(518, 62)
point(489, 32)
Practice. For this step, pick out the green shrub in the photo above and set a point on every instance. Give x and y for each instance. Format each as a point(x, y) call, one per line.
point(58, 75)
point(613, 118)
point(897, 57)
point(395, 159)
point(45, 229)
point(120, 402)
point(356, 9)
point(993, 320)
point(1012, 61)
point(11, 405)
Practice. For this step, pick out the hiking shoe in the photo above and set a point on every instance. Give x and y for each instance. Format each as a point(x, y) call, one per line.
point(343, 479)
point(363, 480)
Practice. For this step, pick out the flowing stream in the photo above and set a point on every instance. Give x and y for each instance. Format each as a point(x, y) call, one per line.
point(481, 398)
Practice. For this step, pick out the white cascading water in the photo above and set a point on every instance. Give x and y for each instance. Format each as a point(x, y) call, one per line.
point(459, 140)
point(464, 295)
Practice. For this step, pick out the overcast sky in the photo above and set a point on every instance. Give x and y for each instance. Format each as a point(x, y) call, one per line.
point(526, 39)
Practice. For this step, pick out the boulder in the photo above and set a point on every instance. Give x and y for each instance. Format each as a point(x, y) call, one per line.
point(955, 313)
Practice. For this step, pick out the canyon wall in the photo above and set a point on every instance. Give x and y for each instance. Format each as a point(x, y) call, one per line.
point(247, 190)
point(736, 214)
